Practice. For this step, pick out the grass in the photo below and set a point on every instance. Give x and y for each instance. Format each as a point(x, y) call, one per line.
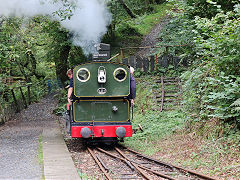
point(144, 24)
point(155, 126)
point(40, 155)
point(84, 176)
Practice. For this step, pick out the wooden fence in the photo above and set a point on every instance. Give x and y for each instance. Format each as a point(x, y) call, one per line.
point(148, 64)
point(18, 104)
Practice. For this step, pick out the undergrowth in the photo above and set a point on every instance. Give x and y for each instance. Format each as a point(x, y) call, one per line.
point(155, 127)
point(155, 124)
point(62, 102)
point(211, 146)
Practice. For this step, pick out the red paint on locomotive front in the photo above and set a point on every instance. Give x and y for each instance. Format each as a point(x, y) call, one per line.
point(108, 131)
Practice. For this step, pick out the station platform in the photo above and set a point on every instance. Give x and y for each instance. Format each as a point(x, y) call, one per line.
point(58, 164)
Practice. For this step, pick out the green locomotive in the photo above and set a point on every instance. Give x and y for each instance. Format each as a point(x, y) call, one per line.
point(101, 105)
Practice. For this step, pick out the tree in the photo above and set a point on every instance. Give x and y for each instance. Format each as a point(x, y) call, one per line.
point(129, 12)
point(209, 8)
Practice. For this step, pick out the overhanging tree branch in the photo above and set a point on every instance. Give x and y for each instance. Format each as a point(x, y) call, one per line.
point(130, 13)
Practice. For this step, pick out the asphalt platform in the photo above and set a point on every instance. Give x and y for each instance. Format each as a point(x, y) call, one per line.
point(20, 146)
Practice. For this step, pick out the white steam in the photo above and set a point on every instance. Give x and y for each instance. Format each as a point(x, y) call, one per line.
point(88, 23)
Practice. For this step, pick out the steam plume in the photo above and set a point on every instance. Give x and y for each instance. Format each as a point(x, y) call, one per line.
point(87, 24)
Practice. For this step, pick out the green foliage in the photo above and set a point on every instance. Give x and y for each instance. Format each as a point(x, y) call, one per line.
point(208, 8)
point(138, 73)
point(38, 89)
point(139, 7)
point(156, 125)
point(146, 22)
point(125, 32)
point(178, 32)
point(236, 105)
point(144, 95)
point(211, 31)
point(61, 97)
point(214, 39)
point(170, 71)
point(34, 50)
point(142, 25)
point(46, 70)
point(193, 88)
point(225, 92)
point(207, 94)
point(125, 29)
point(66, 11)
point(76, 56)
point(21, 53)
point(220, 42)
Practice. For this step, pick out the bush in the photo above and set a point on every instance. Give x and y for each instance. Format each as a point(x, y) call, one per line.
point(126, 29)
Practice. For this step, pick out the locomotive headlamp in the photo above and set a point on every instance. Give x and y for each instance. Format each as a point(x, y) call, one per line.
point(101, 74)
point(121, 132)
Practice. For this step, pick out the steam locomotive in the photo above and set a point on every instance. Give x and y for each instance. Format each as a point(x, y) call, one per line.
point(101, 105)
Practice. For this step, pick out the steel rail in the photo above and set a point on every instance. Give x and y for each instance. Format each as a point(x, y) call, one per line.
point(114, 156)
point(99, 164)
point(135, 165)
point(149, 158)
point(173, 166)
point(103, 164)
point(154, 172)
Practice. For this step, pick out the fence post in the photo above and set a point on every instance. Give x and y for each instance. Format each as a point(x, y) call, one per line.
point(15, 100)
point(167, 49)
point(125, 61)
point(165, 61)
point(139, 62)
point(49, 86)
point(131, 61)
point(152, 63)
point(145, 64)
point(29, 94)
point(122, 53)
point(23, 97)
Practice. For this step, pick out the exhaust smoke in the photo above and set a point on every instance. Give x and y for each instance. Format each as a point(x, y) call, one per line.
point(87, 24)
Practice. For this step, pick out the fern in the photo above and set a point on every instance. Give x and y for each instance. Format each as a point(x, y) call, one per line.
point(236, 105)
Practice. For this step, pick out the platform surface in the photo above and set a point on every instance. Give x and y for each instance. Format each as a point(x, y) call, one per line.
point(57, 160)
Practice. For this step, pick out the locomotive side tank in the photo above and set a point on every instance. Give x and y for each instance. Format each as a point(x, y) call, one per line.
point(101, 107)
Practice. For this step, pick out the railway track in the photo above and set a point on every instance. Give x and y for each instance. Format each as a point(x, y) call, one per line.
point(123, 163)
